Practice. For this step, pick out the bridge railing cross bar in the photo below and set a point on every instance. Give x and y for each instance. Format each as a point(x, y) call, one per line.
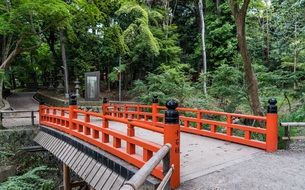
point(202, 122)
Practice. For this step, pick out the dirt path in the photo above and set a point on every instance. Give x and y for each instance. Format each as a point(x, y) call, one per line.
point(20, 101)
point(23, 101)
point(283, 170)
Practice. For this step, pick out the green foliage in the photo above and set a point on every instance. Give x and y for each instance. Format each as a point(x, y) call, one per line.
point(137, 34)
point(169, 83)
point(227, 86)
point(30, 180)
point(114, 75)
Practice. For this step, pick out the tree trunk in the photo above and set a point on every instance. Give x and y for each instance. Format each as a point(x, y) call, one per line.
point(204, 59)
point(250, 78)
point(64, 62)
point(1, 87)
point(217, 6)
point(295, 56)
point(8, 60)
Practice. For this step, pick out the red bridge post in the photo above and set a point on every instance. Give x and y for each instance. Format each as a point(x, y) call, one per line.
point(105, 124)
point(41, 110)
point(104, 106)
point(172, 136)
point(272, 126)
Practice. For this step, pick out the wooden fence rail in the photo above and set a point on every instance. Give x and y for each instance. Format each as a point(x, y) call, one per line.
point(6, 114)
point(287, 126)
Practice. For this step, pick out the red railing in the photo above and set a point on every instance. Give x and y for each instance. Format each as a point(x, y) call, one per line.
point(94, 128)
point(220, 125)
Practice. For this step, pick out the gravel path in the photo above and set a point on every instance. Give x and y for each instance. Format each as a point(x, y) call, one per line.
point(23, 101)
point(20, 101)
point(283, 170)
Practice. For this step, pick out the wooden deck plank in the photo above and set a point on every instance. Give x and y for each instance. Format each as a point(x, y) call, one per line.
point(74, 158)
point(102, 181)
point(55, 143)
point(119, 182)
point(95, 169)
point(111, 180)
point(89, 169)
point(63, 151)
point(87, 163)
point(60, 147)
point(81, 164)
point(73, 153)
point(79, 159)
point(49, 142)
point(68, 154)
point(63, 156)
point(98, 176)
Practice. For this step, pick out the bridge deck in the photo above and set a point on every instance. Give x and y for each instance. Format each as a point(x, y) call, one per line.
point(199, 155)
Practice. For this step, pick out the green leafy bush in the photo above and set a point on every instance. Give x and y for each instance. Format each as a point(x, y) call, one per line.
point(30, 180)
point(168, 83)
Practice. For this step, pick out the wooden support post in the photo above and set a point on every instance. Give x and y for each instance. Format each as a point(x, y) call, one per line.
point(32, 116)
point(1, 117)
point(66, 177)
point(272, 126)
point(172, 136)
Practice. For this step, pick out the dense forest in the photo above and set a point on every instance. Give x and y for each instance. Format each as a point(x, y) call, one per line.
point(224, 55)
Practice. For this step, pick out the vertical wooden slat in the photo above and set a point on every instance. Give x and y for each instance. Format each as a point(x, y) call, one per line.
point(116, 142)
point(131, 148)
point(147, 154)
point(229, 122)
point(105, 137)
point(198, 126)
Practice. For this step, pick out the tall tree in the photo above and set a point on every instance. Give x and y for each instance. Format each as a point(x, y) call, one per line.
point(239, 12)
point(23, 22)
point(204, 57)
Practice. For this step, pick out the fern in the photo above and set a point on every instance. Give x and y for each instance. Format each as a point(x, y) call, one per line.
point(29, 181)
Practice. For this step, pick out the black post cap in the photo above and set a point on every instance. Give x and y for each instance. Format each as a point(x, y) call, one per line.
point(105, 100)
point(171, 115)
point(272, 107)
point(155, 99)
point(72, 100)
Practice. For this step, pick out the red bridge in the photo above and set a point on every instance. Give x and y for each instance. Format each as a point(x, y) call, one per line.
point(136, 133)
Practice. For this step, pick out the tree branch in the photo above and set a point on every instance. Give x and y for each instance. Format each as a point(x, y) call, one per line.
point(244, 8)
point(234, 8)
point(12, 55)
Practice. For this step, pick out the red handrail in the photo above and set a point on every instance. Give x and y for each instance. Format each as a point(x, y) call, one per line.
point(201, 123)
point(78, 123)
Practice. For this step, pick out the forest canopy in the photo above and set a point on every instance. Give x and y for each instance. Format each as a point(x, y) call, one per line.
point(227, 55)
